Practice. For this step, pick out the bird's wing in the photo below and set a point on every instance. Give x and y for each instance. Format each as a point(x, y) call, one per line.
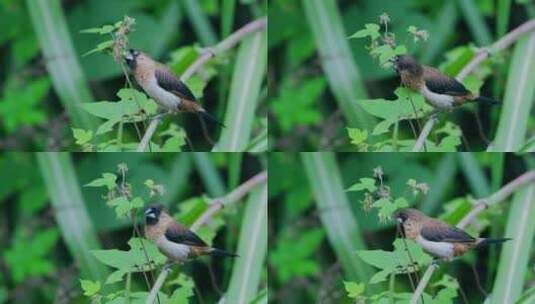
point(441, 232)
point(443, 84)
point(169, 82)
point(180, 234)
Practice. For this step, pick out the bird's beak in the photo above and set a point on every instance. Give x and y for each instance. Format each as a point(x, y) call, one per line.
point(399, 220)
point(129, 56)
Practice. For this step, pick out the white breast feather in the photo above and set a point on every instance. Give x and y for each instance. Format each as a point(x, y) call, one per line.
point(439, 249)
point(173, 250)
point(165, 99)
point(440, 101)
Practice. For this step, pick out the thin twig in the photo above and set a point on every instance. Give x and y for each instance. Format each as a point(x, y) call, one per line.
point(208, 53)
point(481, 204)
point(481, 55)
point(218, 204)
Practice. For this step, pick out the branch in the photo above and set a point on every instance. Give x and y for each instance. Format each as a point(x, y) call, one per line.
point(425, 132)
point(481, 204)
point(208, 54)
point(482, 54)
point(217, 204)
point(234, 196)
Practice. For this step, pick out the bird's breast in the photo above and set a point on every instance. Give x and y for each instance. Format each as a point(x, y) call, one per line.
point(164, 98)
point(438, 249)
point(174, 251)
point(440, 101)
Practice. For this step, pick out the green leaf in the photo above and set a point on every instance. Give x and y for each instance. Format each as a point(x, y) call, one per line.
point(19, 104)
point(103, 46)
point(131, 105)
point(353, 289)
point(364, 183)
point(397, 261)
point(123, 206)
point(133, 260)
point(26, 257)
point(82, 136)
point(296, 103)
point(291, 256)
point(387, 207)
point(371, 30)
point(107, 179)
point(357, 136)
point(184, 292)
point(89, 287)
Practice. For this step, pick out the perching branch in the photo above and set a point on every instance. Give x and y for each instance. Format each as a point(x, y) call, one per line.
point(234, 196)
point(208, 53)
point(481, 204)
point(217, 204)
point(482, 54)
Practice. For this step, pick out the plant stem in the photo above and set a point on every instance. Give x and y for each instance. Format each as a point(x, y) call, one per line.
point(208, 54)
point(481, 204)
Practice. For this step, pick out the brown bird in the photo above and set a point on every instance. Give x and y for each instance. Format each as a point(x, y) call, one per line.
point(441, 91)
point(173, 239)
point(163, 86)
point(438, 238)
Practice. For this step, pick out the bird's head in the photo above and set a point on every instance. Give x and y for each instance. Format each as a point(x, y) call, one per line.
point(407, 63)
point(152, 214)
point(402, 215)
point(132, 57)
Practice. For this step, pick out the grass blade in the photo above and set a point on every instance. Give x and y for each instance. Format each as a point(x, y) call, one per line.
point(227, 17)
point(476, 177)
point(335, 213)
point(515, 253)
point(211, 178)
point(503, 11)
point(445, 27)
point(446, 169)
point(252, 249)
point(475, 22)
point(61, 62)
point(70, 213)
point(518, 99)
point(199, 21)
point(338, 64)
point(249, 71)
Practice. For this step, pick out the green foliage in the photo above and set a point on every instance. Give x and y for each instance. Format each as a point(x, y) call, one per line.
point(89, 287)
point(378, 196)
point(19, 105)
point(184, 291)
point(291, 255)
point(27, 255)
point(354, 290)
point(295, 104)
point(133, 260)
point(404, 259)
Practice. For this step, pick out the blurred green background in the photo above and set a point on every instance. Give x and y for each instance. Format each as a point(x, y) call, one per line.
point(38, 107)
point(50, 223)
point(317, 75)
point(317, 228)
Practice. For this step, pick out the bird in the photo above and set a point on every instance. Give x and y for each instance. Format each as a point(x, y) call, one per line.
point(441, 240)
point(163, 86)
point(174, 240)
point(441, 91)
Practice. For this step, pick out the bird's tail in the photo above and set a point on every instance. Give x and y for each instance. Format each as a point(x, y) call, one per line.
point(485, 242)
point(210, 118)
point(487, 101)
point(221, 253)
